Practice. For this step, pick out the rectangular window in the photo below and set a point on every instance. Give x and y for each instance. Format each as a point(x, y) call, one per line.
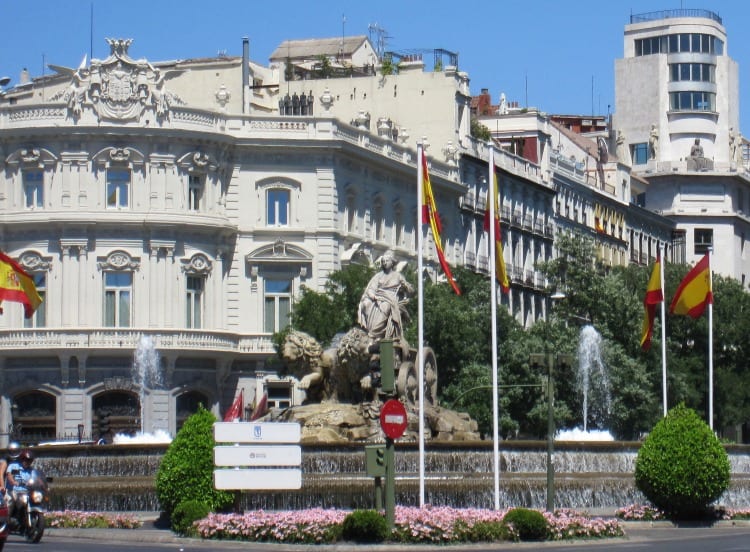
point(718, 47)
point(278, 304)
point(684, 42)
point(703, 238)
point(39, 319)
point(640, 153)
point(117, 295)
point(195, 192)
point(696, 43)
point(194, 303)
point(118, 185)
point(673, 44)
point(277, 207)
point(279, 395)
point(33, 189)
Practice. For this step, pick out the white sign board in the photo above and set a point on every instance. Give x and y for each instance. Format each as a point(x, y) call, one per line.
point(258, 479)
point(258, 455)
point(250, 432)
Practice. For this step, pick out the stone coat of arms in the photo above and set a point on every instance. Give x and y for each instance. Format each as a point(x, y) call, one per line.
point(118, 87)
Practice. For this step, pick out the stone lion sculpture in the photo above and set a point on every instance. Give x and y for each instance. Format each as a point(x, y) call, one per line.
point(337, 374)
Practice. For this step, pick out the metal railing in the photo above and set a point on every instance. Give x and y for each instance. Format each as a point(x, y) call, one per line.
point(671, 14)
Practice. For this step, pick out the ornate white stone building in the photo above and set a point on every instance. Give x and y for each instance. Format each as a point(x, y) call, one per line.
point(181, 207)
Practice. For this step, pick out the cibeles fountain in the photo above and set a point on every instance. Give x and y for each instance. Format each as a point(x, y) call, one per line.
point(340, 415)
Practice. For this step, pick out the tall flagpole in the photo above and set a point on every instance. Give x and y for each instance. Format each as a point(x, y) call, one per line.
point(420, 318)
point(493, 305)
point(710, 347)
point(662, 251)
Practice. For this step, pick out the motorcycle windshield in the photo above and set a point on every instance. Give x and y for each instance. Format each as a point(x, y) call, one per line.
point(37, 481)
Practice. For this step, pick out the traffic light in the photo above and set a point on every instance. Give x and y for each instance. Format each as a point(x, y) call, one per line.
point(387, 367)
point(375, 460)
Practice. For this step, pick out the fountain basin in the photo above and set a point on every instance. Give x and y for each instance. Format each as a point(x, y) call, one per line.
point(588, 476)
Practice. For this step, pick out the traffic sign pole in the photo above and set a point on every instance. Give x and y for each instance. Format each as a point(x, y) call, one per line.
point(390, 483)
point(393, 421)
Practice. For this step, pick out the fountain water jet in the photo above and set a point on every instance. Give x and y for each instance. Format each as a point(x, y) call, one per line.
point(147, 375)
point(593, 379)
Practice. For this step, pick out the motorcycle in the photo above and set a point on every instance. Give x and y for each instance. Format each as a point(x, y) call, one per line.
point(27, 518)
point(3, 522)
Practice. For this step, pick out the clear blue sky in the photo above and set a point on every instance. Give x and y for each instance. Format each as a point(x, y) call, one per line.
point(557, 56)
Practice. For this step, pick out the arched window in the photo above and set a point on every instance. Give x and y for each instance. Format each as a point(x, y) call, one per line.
point(123, 409)
point(34, 415)
point(188, 404)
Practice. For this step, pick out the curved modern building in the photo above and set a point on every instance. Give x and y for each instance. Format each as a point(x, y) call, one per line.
point(677, 111)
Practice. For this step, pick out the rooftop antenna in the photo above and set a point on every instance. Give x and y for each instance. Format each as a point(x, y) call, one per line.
point(343, 34)
point(526, 89)
point(91, 32)
point(380, 40)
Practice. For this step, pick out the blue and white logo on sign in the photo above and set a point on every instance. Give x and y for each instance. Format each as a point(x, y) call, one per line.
point(257, 431)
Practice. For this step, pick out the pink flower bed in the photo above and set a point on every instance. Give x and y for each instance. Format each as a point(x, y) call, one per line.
point(425, 525)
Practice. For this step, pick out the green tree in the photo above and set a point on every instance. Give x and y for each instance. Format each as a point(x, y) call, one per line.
point(334, 310)
point(323, 67)
point(479, 131)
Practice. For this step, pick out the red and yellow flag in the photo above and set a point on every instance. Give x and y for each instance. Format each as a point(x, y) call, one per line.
point(654, 296)
point(430, 214)
point(500, 272)
point(694, 292)
point(17, 286)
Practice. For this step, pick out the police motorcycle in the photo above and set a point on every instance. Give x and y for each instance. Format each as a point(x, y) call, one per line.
point(29, 506)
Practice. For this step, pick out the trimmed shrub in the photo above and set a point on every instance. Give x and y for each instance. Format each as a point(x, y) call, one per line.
point(187, 468)
point(529, 525)
point(681, 466)
point(187, 512)
point(364, 526)
point(483, 531)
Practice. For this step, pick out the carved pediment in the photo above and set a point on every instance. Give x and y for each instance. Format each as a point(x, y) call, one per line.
point(31, 157)
point(118, 87)
point(279, 252)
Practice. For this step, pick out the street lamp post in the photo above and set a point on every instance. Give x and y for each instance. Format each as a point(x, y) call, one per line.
point(557, 296)
point(550, 437)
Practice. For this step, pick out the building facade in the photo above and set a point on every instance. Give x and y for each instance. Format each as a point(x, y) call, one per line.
point(177, 208)
point(677, 115)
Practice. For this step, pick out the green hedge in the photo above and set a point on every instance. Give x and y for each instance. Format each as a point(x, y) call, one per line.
point(186, 471)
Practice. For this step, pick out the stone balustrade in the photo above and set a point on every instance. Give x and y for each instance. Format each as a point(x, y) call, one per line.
point(58, 339)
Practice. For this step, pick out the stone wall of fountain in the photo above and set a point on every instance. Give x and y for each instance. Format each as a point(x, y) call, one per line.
point(588, 476)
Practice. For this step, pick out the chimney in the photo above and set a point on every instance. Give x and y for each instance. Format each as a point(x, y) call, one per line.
point(24, 76)
point(245, 71)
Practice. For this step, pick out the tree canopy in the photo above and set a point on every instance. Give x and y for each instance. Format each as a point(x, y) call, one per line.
point(458, 328)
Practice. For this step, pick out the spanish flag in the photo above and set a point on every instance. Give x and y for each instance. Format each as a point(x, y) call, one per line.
point(17, 286)
point(500, 272)
point(430, 214)
point(654, 296)
point(234, 414)
point(694, 292)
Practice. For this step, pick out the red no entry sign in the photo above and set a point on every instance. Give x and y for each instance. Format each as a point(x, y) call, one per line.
point(393, 418)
